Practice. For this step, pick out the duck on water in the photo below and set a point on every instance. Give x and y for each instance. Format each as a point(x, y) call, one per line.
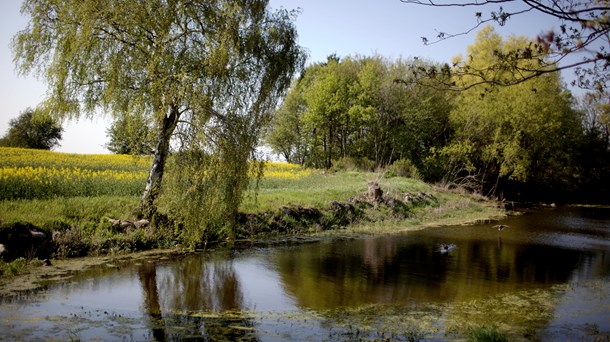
point(501, 226)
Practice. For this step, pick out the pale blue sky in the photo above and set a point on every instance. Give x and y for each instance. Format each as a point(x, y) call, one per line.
point(345, 27)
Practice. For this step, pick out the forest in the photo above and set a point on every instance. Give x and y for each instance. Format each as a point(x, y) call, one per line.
point(531, 141)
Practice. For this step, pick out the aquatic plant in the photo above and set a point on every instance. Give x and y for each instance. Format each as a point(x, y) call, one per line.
point(14, 267)
point(486, 334)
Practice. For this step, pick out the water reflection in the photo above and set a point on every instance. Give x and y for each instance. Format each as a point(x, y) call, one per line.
point(197, 284)
point(414, 267)
point(249, 295)
point(148, 278)
point(201, 299)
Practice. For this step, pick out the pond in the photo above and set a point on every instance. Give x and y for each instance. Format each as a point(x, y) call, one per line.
point(545, 276)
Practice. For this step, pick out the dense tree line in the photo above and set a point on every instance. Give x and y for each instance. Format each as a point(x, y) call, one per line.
point(532, 140)
point(354, 108)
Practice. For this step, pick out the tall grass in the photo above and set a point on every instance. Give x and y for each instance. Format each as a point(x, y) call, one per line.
point(314, 188)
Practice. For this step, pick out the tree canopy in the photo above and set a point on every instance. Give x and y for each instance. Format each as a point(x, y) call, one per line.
point(173, 62)
point(352, 108)
point(32, 130)
point(131, 135)
point(528, 141)
point(511, 135)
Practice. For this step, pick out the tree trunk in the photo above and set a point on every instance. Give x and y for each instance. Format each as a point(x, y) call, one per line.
point(153, 183)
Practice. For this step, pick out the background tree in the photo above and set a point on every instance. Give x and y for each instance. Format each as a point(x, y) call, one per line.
point(327, 117)
point(169, 61)
point(593, 154)
point(32, 130)
point(584, 28)
point(131, 135)
point(352, 108)
point(288, 136)
point(596, 111)
point(513, 139)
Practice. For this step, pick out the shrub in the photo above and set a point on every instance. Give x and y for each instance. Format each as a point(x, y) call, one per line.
point(13, 267)
point(354, 164)
point(403, 168)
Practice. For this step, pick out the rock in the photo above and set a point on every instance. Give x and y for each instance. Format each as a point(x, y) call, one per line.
point(375, 194)
point(38, 235)
point(409, 198)
point(141, 223)
point(390, 202)
point(24, 240)
point(126, 225)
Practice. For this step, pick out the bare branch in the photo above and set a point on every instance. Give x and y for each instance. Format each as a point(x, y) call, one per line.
point(583, 26)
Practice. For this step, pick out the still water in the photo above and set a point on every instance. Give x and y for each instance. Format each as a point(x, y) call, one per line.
point(544, 277)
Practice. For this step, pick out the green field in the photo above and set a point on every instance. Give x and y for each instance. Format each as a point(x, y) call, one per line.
point(76, 194)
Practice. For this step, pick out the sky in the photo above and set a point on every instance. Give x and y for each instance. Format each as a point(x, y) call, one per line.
point(388, 28)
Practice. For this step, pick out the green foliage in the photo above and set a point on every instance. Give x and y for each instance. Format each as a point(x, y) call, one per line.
point(403, 168)
point(205, 190)
point(353, 108)
point(288, 137)
point(507, 137)
point(484, 334)
point(194, 63)
point(131, 135)
point(32, 130)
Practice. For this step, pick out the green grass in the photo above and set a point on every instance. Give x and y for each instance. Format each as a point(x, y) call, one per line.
point(485, 334)
point(17, 266)
point(55, 212)
point(319, 189)
point(75, 194)
point(316, 190)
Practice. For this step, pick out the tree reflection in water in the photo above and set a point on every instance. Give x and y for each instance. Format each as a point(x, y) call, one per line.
point(394, 269)
point(148, 278)
point(196, 299)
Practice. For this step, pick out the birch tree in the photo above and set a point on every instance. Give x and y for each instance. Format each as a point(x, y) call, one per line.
point(168, 60)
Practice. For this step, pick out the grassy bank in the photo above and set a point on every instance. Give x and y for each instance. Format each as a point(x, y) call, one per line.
point(289, 200)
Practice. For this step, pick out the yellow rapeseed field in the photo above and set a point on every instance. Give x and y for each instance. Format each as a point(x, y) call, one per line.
point(280, 170)
point(29, 174)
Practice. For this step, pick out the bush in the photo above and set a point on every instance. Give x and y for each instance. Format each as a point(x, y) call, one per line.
point(403, 168)
point(14, 267)
point(353, 164)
